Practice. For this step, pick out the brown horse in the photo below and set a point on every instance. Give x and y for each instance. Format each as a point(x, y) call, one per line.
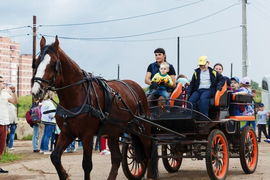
point(89, 105)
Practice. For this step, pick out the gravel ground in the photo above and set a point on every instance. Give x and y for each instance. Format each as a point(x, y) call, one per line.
point(35, 166)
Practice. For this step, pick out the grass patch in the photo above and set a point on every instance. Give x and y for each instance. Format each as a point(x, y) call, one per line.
point(9, 157)
point(29, 137)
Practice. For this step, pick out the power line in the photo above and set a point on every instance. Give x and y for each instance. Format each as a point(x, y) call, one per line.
point(163, 30)
point(121, 19)
point(145, 40)
point(15, 28)
point(262, 15)
point(213, 32)
point(20, 35)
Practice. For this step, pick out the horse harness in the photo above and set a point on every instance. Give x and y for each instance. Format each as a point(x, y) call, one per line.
point(109, 96)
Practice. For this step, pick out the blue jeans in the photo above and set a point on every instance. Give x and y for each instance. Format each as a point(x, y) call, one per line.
point(12, 128)
point(52, 141)
point(203, 96)
point(164, 93)
point(48, 130)
point(80, 143)
point(71, 146)
point(35, 136)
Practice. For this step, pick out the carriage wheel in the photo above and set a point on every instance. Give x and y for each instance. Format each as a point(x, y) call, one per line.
point(217, 158)
point(248, 150)
point(171, 164)
point(133, 170)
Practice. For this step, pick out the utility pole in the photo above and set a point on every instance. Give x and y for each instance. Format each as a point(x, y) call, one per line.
point(244, 39)
point(178, 55)
point(34, 41)
point(118, 72)
point(34, 49)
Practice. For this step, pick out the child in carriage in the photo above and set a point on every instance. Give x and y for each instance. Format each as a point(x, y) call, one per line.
point(161, 78)
point(181, 78)
point(245, 89)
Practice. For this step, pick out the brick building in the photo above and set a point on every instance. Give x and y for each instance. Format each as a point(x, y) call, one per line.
point(14, 67)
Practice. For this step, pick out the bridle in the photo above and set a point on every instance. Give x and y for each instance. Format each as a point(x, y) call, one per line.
point(56, 70)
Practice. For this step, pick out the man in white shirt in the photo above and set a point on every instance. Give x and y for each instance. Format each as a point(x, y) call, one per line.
point(5, 98)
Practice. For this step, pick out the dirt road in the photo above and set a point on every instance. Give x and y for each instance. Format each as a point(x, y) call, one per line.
point(37, 166)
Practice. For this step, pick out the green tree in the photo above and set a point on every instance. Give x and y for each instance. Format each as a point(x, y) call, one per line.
point(254, 85)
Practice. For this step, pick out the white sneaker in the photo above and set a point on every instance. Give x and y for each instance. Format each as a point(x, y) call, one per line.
point(10, 149)
point(105, 152)
point(41, 152)
point(47, 152)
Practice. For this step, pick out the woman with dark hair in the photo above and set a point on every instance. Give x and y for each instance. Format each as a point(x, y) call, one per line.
point(219, 68)
point(153, 68)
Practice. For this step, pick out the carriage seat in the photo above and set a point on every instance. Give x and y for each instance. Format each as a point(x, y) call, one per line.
point(221, 98)
point(242, 98)
point(176, 93)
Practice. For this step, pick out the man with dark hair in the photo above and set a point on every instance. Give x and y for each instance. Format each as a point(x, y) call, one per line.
point(5, 98)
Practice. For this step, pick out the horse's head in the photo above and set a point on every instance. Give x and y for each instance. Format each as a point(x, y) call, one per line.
point(47, 67)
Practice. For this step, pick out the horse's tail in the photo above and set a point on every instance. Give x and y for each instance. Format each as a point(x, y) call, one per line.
point(138, 147)
point(141, 157)
point(154, 159)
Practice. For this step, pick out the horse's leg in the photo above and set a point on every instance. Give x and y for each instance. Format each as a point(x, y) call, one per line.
point(62, 143)
point(116, 157)
point(87, 142)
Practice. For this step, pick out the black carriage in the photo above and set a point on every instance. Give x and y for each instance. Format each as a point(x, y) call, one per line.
point(186, 133)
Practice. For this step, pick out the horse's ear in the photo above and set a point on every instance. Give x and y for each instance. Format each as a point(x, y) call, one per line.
point(56, 43)
point(42, 43)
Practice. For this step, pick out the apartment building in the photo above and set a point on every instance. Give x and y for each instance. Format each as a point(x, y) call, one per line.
point(14, 67)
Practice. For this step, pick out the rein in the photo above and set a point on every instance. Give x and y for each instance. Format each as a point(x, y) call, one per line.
point(103, 116)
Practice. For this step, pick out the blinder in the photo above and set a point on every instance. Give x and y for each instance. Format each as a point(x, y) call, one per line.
point(57, 68)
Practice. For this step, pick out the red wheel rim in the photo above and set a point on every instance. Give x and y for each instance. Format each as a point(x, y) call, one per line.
point(173, 162)
point(251, 150)
point(219, 154)
point(135, 168)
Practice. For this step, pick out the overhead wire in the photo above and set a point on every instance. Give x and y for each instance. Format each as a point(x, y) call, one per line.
point(9, 29)
point(158, 31)
point(121, 19)
point(145, 40)
point(259, 9)
point(259, 14)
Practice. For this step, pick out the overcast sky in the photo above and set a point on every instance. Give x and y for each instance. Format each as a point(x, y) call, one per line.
point(138, 27)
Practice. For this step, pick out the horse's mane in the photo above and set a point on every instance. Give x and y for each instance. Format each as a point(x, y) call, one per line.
point(62, 53)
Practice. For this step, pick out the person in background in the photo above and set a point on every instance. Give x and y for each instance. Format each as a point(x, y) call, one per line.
point(153, 68)
point(5, 98)
point(219, 68)
point(48, 119)
point(262, 117)
point(11, 128)
point(104, 150)
point(268, 140)
point(203, 86)
point(71, 147)
point(80, 146)
point(36, 133)
point(41, 127)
